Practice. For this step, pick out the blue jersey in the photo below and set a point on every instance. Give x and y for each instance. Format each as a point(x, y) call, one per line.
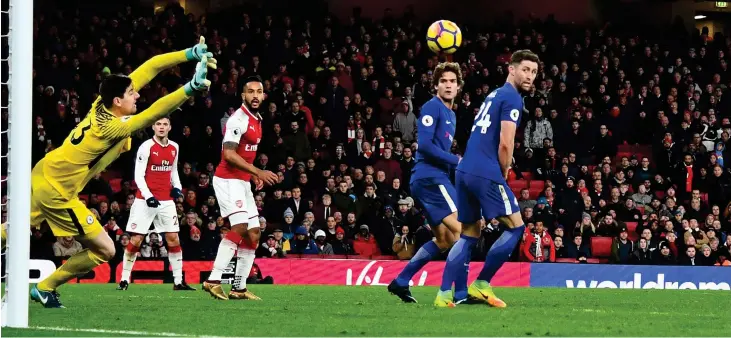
point(436, 127)
point(481, 156)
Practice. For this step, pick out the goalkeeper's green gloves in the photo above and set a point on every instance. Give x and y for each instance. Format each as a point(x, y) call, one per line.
point(197, 52)
point(199, 81)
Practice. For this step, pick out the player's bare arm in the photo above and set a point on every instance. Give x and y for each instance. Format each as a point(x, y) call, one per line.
point(507, 146)
point(234, 159)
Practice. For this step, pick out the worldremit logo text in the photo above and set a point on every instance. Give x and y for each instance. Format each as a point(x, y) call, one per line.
point(658, 283)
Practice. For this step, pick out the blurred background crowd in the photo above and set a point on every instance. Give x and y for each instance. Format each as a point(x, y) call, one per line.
point(619, 159)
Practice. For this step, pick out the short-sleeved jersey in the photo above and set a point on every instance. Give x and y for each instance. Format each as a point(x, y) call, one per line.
point(244, 128)
point(156, 170)
point(481, 156)
point(436, 127)
point(92, 145)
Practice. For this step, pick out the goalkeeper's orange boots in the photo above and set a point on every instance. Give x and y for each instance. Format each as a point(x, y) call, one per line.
point(215, 290)
point(244, 294)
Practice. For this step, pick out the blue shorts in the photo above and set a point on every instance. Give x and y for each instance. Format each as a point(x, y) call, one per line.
point(436, 195)
point(479, 196)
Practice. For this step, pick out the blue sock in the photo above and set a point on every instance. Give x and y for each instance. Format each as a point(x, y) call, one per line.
point(460, 280)
point(455, 269)
point(500, 252)
point(426, 253)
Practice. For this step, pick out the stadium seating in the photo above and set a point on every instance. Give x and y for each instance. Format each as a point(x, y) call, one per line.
point(601, 248)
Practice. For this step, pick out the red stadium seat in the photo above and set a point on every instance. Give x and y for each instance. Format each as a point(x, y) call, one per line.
point(511, 175)
point(534, 191)
point(641, 209)
point(704, 198)
point(625, 148)
point(116, 184)
point(565, 260)
point(632, 231)
point(84, 197)
point(596, 260)
point(527, 175)
point(660, 194)
point(627, 154)
point(601, 247)
point(102, 198)
point(518, 184)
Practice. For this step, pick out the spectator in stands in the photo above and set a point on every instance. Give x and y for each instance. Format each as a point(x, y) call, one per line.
point(342, 245)
point(577, 247)
point(270, 248)
point(302, 243)
point(642, 255)
point(323, 247)
point(665, 257)
point(539, 246)
point(66, 246)
point(364, 244)
point(622, 248)
point(403, 244)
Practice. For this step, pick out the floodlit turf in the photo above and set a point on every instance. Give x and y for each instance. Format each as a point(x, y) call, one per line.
point(157, 310)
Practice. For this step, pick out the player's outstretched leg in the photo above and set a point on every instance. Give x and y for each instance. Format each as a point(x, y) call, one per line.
point(130, 256)
point(443, 240)
point(100, 250)
point(244, 262)
point(226, 251)
point(175, 257)
point(499, 254)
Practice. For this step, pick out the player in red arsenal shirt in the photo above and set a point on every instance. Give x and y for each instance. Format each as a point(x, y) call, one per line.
point(241, 137)
point(156, 175)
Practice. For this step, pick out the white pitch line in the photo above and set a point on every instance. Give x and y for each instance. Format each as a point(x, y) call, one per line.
point(134, 333)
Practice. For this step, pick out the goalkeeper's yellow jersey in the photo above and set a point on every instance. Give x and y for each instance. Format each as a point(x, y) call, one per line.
point(101, 137)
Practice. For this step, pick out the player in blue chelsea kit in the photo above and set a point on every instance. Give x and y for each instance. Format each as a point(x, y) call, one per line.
point(430, 183)
point(482, 189)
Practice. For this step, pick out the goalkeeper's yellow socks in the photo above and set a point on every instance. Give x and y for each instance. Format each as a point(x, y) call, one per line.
point(78, 265)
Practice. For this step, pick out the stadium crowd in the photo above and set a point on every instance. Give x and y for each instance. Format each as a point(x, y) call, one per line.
point(620, 156)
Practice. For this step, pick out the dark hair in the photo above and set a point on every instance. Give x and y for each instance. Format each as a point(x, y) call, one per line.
point(443, 67)
point(254, 78)
point(114, 85)
point(523, 55)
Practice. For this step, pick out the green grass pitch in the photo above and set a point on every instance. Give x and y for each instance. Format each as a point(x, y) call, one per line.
point(157, 310)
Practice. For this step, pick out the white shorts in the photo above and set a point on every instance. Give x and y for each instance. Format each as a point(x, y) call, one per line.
point(236, 201)
point(164, 217)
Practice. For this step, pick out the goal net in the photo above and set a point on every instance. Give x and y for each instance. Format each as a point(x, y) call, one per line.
point(16, 49)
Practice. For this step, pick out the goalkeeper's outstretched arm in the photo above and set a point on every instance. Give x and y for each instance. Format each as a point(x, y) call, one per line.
point(148, 70)
point(163, 106)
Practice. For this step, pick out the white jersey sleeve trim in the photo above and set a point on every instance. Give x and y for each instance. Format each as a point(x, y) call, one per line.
point(174, 177)
point(143, 155)
point(236, 126)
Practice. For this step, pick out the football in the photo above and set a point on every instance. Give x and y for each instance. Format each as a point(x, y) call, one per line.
point(443, 36)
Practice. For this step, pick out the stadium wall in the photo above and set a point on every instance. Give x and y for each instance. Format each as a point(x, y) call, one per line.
point(355, 272)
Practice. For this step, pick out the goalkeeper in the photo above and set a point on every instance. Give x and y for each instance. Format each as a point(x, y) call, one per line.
point(94, 144)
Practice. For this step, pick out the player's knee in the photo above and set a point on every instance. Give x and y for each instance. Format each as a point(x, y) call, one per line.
point(172, 239)
point(136, 240)
point(252, 237)
point(444, 243)
point(106, 252)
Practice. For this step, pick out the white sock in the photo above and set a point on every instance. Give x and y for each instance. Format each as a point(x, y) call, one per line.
point(244, 262)
point(176, 263)
point(226, 251)
point(127, 263)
